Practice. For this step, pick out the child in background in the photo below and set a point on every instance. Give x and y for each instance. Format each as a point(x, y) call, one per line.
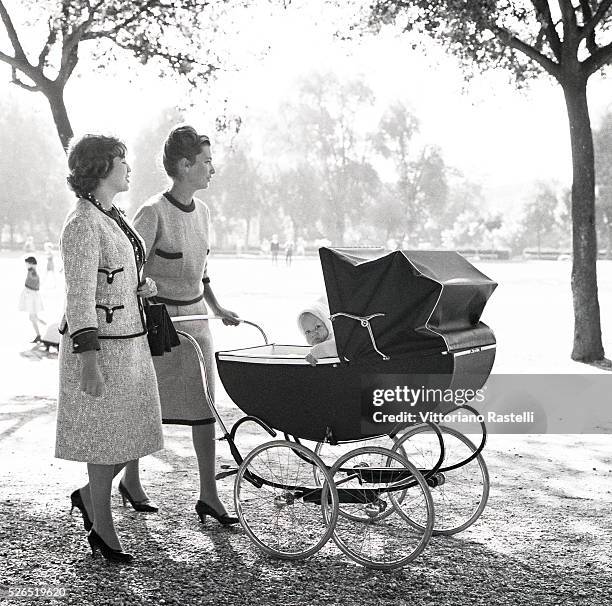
point(30, 299)
point(316, 326)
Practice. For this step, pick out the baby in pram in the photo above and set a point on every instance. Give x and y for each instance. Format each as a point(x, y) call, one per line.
point(316, 326)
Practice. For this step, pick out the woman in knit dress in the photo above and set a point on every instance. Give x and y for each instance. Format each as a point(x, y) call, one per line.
point(108, 406)
point(175, 228)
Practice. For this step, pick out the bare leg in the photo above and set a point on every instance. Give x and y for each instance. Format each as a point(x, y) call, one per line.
point(100, 481)
point(34, 321)
point(131, 480)
point(204, 445)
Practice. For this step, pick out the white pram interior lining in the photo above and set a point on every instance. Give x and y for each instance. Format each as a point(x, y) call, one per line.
point(274, 354)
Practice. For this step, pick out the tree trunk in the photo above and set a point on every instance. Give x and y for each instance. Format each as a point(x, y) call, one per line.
point(55, 97)
point(587, 327)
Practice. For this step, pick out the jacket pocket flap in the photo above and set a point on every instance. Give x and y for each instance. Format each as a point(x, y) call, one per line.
point(110, 273)
point(168, 255)
point(109, 310)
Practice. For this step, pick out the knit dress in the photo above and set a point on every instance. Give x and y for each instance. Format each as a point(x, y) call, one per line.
point(177, 239)
point(103, 312)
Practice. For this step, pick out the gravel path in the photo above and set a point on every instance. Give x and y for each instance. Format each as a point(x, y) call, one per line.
point(543, 539)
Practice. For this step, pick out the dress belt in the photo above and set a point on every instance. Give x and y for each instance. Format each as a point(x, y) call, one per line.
point(178, 303)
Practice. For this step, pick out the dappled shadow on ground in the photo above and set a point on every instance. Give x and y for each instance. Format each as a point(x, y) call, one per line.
point(20, 410)
point(543, 539)
point(179, 562)
point(532, 546)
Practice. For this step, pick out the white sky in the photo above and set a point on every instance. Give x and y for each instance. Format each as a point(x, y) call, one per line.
point(496, 135)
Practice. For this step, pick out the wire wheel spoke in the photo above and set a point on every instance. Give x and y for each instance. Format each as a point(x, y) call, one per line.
point(369, 480)
point(276, 516)
point(460, 495)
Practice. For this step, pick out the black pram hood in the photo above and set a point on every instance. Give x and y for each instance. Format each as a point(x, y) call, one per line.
point(432, 301)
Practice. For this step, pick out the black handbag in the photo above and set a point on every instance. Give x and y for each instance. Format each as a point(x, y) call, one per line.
point(160, 329)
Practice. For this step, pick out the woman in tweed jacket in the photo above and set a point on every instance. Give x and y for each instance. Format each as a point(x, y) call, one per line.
point(108, 406)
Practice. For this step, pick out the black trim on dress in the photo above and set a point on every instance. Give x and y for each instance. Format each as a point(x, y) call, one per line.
point(187, 422)
point(186, 209)
point(133, 336)
point(159, 299)
point(168, 255)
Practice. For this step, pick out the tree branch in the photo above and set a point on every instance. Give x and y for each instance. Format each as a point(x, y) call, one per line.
point(513, 42)
point(10, 60)
point(12, 33)
point(568, 15)
point(18, 82)
point(119, 26)
point(587, 16)
point(70, 46)
point(598, 60)
point(548, 26)
point(589, 27)
point(44, 53)
point(24, 66)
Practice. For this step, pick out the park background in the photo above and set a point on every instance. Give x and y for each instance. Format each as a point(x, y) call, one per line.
point(488, 170)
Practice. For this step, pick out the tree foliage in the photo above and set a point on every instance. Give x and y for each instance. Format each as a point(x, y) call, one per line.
point(569, 40)
point(164, 30)
point(34, 196)
point(421, 185)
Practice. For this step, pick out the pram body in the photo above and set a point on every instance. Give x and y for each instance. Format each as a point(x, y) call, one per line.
point(405, 313)
point(432, 303)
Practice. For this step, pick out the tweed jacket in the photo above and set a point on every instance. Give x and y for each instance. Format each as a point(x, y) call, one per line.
point(101, 277)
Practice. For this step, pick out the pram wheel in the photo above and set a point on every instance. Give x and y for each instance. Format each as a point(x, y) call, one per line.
point(460, 494)
point(331, 453)
point(283, 515)
point(371, 481)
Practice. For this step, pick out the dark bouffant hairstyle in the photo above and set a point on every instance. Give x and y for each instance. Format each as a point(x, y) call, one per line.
point(182, 142)
point(90, 159)
point(31, 260)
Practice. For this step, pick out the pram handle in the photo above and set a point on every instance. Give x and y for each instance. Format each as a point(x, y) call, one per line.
point(178, 319)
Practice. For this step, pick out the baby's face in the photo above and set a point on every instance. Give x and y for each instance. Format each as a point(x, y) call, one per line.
point(314, 329)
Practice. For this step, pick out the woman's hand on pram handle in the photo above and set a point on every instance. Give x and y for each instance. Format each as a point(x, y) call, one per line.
point(229, 318)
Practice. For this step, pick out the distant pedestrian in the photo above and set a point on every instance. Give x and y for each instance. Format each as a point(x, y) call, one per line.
point(30, 299)
point(289, 252)
point(28, 245)
point(274, 248)
point(50, 262)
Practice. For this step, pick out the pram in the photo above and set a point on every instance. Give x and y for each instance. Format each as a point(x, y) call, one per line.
point(380, 491)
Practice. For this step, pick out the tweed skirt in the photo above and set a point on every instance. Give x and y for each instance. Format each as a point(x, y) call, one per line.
point(122, 424)
point(179, 379)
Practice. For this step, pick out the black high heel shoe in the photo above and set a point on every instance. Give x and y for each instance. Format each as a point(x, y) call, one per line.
point(77, 501)
point(145, 505)
point(203, 510)
point(112, 555)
